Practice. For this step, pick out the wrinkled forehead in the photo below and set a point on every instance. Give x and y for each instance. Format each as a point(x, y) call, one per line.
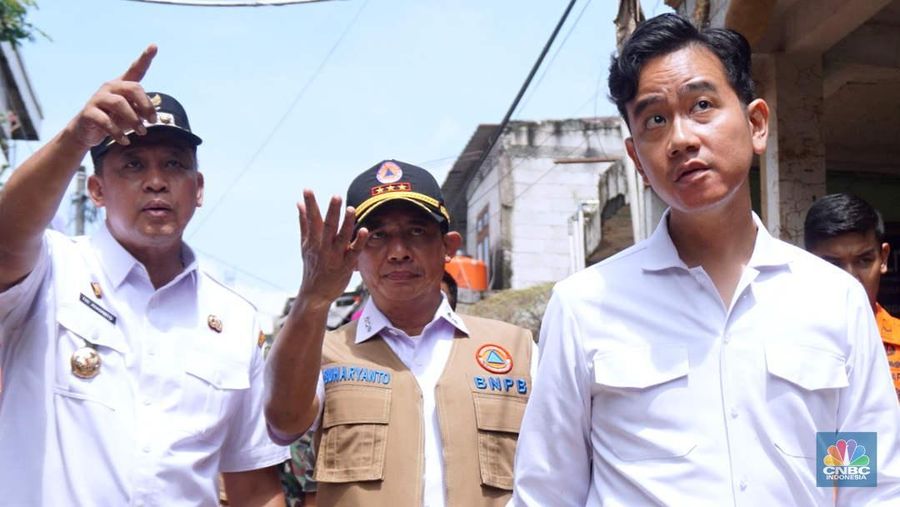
point(398, 212)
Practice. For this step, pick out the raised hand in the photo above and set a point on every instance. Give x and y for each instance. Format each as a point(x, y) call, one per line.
point(328, 248)
point(119, 106)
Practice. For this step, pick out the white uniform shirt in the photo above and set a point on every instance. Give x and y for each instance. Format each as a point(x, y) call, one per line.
point(426, 356)
point(651, 392)
point(174, 403)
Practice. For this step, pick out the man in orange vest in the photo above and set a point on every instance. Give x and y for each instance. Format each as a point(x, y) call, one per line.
point(414, 404)
point(849, 233)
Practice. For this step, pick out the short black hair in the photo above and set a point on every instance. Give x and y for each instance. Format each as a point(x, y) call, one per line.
point(666, 34)
point(837, 214)
point(453, 289)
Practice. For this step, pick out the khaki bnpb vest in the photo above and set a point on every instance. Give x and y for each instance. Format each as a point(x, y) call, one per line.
point(372, 436)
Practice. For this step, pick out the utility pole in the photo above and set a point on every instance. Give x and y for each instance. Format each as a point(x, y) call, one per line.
point(80, 200)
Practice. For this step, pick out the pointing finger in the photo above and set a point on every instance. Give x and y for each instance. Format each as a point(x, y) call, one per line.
point(140, 66)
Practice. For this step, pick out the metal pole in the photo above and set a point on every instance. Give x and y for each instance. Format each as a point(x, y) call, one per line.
point(80, 200)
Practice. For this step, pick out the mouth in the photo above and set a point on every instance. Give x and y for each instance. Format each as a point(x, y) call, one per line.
point(401, 276)
point(157, 208)
point(690, 171)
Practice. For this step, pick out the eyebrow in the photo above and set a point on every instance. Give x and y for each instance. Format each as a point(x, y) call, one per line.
point(698, 86)
point(646, 102)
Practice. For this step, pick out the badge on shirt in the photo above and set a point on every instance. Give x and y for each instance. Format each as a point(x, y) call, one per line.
point(494, 358)
point(261, 340)
point(214, 323)
point(96, 288)
point(85, 362)
point(103, 312)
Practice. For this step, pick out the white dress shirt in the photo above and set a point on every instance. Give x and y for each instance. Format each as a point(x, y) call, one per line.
point(426, 356)
point(177, 398)
point(651, 391)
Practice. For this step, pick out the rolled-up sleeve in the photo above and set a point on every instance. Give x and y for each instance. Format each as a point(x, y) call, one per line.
point(554, 452)
point(17, 301)
point(248, 446)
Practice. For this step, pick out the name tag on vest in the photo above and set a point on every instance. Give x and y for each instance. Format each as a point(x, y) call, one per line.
point(355, 374)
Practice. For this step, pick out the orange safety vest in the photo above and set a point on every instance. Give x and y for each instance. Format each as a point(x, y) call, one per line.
point(889, 327)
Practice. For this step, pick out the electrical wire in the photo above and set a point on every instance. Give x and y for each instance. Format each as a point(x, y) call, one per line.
point(235, 3)
point(280, 121)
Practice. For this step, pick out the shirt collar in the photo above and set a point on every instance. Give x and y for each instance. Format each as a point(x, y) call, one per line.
point(372, 321)
point(662, 254)
point(117, 262)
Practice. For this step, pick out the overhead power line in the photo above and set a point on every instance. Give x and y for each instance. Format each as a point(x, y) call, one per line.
point(235, 3)
point(280, 122)
point(512, 108)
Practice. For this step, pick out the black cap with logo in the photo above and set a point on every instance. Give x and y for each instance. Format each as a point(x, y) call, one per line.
point(390, 180)
point(169, 115)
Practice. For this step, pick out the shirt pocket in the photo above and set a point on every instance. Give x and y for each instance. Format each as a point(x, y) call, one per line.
point(210, 383)
point(79, 328)
point(498, 419)
point(354, 434)
point(803, 388)
point(641, 401)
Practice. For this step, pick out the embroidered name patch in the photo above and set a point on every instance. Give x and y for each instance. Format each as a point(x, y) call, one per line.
point(103, 312)
point(501, 384)
point(494, 358)
point(355, 374)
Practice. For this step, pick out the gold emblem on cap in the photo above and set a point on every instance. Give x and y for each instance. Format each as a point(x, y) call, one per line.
point(85, 362)
point(165, 118)
point(156, 100)
point(96, 288)
point(214, 323)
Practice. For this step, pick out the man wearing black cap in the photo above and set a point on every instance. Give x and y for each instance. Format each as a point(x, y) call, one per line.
point(133, 377)
point(414, 404)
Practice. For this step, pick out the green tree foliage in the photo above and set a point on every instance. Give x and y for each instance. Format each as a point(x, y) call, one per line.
point(13, 25)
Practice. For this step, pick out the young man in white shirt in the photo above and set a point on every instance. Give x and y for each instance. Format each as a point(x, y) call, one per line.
point(698, 366)
point(131, 376)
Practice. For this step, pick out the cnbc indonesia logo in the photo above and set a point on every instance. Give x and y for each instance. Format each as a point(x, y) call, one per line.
point(847, 462)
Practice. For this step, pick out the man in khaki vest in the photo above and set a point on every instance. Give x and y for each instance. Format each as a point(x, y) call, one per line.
point(414, 404)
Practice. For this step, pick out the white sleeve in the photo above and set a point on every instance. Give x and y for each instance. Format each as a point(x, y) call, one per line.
point(16, 301)
point(560, 405)
point(869, 404)
point(248, 446)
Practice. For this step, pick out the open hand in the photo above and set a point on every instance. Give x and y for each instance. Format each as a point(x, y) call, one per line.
point(328, 248)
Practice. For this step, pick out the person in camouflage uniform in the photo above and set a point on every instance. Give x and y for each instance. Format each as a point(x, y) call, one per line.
point(297, 474)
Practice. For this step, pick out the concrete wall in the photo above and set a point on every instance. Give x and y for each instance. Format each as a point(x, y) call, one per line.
point(553, 167)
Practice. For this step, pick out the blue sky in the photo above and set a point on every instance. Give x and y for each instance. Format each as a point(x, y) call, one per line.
point(410, 79)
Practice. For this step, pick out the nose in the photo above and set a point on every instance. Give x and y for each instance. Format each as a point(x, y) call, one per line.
point(682, 137)
point(156, 181)
point(397, 249)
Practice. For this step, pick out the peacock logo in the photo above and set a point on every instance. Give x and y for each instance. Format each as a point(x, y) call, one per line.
point(846, 453)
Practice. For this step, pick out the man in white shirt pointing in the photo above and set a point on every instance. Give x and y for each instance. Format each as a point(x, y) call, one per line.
point(132, 377)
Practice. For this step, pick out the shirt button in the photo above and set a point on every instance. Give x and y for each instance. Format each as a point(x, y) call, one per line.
point(743, 484)
point(147, 401)
point(726, 338)
point(734, 413)
point(146, 448)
